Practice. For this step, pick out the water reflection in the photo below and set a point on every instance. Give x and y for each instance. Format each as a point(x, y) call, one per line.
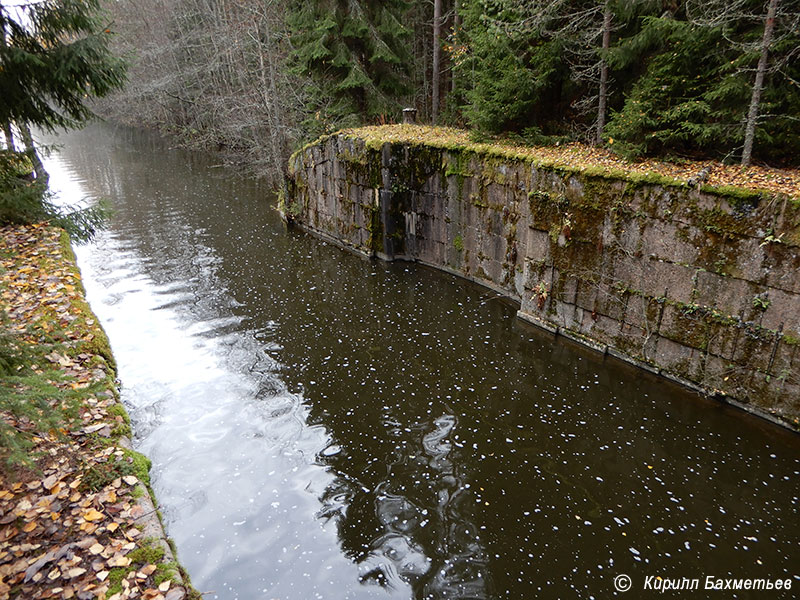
point(324, 426)
point(414, 524)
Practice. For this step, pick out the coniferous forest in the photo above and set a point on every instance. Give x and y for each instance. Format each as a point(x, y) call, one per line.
point(715, 79)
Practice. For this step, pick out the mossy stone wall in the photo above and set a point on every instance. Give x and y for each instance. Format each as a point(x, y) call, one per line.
point(702, 286)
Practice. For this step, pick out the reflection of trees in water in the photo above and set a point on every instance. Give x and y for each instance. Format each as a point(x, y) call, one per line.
point(413, 524)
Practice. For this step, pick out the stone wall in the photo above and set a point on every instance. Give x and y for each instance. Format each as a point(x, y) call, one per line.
point(702, 286)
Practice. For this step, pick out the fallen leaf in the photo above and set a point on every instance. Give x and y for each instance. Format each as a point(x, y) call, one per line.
point(118, 561)
point(92, 515)
point(75, 572)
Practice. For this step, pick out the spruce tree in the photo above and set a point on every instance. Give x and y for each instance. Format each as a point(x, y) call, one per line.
point(542, 63)
point(694, 82)
point(510, 74)
point(354, 55)
point(53, 57)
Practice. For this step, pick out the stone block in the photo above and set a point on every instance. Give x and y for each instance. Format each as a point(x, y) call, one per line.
point(494, 270)
point(602, 328)
point(495, 246)
point(721, 374)
point(686, 327)
point(729, 295)
point(537, 273)
point(537, 245)
point(643, 312)
point(740, 257)
point(568, 288)
point(664, 241)
point(783, 309)
point(678, 359)
point(722, 339)
point(496, 196)
point(566, 314)
point(754, 349)
point(610, 301)
point(782, 265)
point(786, 362)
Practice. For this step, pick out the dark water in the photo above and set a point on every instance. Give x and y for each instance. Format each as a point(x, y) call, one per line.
point(323, 426)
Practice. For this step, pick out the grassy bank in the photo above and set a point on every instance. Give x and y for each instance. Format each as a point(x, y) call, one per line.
point(77, 518)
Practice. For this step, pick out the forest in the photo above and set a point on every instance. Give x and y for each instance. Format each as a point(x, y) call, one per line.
point(680, 79)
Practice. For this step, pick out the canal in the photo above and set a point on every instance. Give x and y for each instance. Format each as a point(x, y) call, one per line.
point(325, 426)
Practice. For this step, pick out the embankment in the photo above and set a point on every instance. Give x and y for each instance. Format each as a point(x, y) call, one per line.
point(700, 284)
point(78, 516)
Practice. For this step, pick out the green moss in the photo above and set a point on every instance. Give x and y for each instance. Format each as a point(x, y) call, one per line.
point(164, 571)
point(458, 243)
point(118, 410)
point(96, 476)
point(538, 196)
point(375, 228)
point(479, 202)
point(114, 579)
point(737, 196)
point(492, 171)
point(791, 340)
point(140, 464)
point(149, 552)
point(457, 163)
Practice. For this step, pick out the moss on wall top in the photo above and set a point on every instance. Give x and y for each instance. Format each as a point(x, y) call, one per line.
point(728, 181)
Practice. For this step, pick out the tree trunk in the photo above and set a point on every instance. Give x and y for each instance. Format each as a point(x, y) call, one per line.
point(758, 85)
point(603, 95)
point(456, 27)
point(38, 168)
point(9, 135)
point(437, 29)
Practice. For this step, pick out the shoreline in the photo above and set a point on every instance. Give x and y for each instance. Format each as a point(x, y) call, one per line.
point(82, 520)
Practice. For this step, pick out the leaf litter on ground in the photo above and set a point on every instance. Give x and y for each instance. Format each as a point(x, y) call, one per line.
point(583, 156)
point(70, 516)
